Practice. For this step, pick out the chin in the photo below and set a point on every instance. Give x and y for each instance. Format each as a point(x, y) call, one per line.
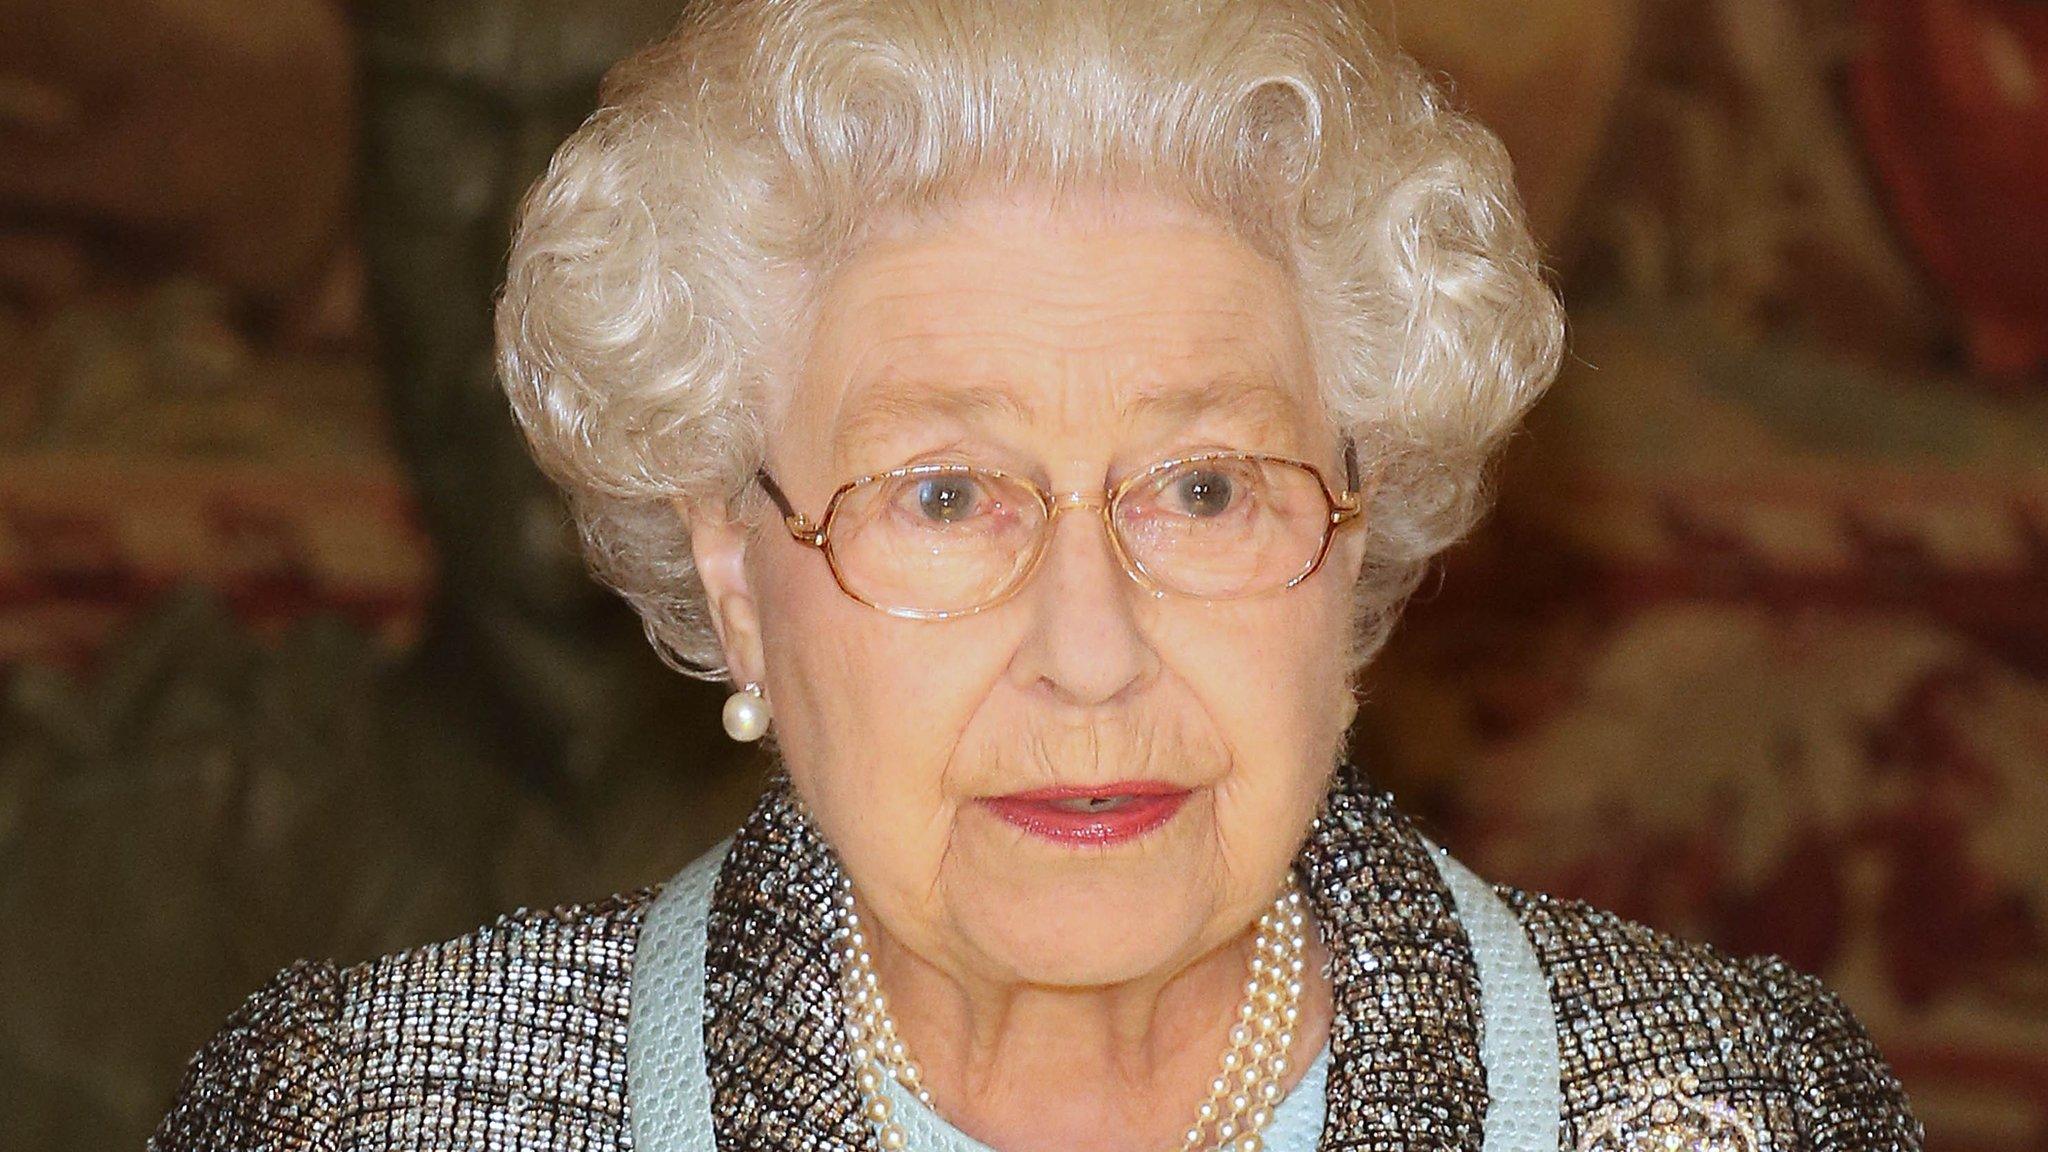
point(1092, 945)
point(1068, 917)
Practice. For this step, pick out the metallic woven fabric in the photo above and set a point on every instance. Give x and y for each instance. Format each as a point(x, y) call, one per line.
point(514, 1037)
point(1634, 1007)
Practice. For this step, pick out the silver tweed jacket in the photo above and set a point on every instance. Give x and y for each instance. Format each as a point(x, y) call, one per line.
point(514, 1037)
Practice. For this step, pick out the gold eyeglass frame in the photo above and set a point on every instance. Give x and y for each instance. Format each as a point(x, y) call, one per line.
point(1344, 507)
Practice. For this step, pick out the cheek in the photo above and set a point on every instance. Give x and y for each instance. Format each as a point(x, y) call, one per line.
point(1270, 671)
point(1271, 677)
point(868, 711)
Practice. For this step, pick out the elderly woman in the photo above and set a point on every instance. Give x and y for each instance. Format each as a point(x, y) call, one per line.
point(1038, 412)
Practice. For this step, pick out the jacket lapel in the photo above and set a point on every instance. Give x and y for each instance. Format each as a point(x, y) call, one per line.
point(1405, 1071)
point(774, 1037)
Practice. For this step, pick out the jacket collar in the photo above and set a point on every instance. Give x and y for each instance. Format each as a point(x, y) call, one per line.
point(1405, 1068)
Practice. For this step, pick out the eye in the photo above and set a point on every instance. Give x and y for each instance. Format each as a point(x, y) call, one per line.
point(947, 499)
point(1202, 492)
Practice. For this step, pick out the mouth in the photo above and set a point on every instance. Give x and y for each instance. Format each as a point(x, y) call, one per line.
point(1096, 816)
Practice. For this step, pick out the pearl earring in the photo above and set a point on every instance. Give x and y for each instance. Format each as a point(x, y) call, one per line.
point(746, 714)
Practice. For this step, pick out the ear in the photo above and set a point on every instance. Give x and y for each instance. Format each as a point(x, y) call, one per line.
point(720, 549)
point(1347, 551)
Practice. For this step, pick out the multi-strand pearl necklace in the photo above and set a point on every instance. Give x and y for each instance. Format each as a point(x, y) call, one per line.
point(1241, 1098)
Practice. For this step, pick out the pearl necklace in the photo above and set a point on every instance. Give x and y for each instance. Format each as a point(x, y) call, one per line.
point(1241, 1098)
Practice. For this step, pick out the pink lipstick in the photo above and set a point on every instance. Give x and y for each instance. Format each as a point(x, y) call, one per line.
point(1101, 815)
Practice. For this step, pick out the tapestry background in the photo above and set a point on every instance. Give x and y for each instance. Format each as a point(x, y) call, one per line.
point(295, 658)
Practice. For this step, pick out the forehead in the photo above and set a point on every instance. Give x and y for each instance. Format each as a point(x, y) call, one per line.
point(1090, 322)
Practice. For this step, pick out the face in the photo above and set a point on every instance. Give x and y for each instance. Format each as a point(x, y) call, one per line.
point(1074, 347)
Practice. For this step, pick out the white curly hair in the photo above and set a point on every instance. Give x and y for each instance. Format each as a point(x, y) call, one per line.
point(657, 286)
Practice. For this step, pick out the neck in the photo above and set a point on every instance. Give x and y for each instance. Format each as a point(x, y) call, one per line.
point(1117, 1068)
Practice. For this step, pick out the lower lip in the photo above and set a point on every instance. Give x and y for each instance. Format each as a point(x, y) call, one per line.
point(1041, 818)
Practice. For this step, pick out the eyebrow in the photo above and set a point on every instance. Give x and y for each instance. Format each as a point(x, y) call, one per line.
point(1266, 402)
point(906, 404)
point(900, 404)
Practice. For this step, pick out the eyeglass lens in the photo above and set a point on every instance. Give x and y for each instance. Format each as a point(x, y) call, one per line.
point(948, 539)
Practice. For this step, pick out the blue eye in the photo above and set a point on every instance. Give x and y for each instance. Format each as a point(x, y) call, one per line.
point(1204, 492)
point(946, 499)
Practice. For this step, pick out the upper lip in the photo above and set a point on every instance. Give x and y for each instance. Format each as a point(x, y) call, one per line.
point(1095, 791)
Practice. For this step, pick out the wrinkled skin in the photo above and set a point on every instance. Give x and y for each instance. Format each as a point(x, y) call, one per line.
point(1059, 996)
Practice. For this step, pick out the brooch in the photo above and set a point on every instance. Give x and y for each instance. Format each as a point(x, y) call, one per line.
point(1664, 1115)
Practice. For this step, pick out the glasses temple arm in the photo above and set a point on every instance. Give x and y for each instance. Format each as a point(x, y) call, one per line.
point(775, 493)
point(798, 524)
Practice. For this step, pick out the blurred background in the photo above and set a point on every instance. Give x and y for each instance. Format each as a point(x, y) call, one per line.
point(296, 658)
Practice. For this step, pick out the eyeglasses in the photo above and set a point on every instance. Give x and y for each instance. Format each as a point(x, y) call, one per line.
point(937, 541)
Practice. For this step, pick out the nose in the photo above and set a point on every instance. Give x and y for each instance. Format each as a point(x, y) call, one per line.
point(1085, 644)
